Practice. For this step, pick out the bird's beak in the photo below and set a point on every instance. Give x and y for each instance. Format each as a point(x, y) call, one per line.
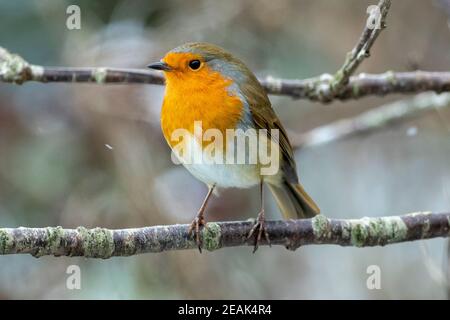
point(159, 66)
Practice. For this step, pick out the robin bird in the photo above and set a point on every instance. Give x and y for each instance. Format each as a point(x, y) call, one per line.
point(208, 84)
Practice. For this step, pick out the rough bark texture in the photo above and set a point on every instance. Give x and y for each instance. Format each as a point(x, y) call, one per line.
point(106, 243)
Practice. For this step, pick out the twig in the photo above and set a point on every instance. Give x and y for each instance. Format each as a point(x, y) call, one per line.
point(371, 120)
point(361, 50)
point(14, 69)
point(106, 243)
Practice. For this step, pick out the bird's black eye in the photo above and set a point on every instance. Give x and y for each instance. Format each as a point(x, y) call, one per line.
point(194, 64)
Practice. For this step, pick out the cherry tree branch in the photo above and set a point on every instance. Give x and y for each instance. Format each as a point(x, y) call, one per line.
point(106, 243)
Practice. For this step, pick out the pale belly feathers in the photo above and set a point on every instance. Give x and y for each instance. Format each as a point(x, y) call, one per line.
point(239, 173)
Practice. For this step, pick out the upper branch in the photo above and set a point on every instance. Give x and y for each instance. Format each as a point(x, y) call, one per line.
point(362, 85)
point(14, 69)
point(106, 243)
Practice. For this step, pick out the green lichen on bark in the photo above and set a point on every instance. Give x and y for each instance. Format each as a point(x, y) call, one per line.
point(381, 230)
point(337, 79)
point(6, 242)
point(396, 230)
point(13, 68)
point(211, 235)
point(358, 234)
point(391, 78)
point(346, 230)
point(99, 75)
point(355, 90)
point(320, 225)
point(97, 242)
point(53, 238)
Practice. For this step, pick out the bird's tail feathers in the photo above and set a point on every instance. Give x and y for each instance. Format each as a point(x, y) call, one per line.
point(293, 201)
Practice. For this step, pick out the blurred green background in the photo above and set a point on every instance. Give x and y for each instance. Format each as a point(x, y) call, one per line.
point(55, 167)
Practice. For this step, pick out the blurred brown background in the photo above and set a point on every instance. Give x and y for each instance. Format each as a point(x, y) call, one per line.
point(55, 167)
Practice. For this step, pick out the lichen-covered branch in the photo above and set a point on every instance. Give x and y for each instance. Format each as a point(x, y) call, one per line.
point(14, 69)
point(106, 243)
point(362, 48)
point(371, 120)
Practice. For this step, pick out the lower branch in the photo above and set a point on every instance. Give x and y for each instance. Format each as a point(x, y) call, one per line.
point(106, 243)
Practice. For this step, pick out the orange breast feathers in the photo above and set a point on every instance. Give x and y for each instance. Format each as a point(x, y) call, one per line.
point(201, 95)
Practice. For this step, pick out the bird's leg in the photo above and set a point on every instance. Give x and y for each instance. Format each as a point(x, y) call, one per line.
point(199, 220)
point(259, 227)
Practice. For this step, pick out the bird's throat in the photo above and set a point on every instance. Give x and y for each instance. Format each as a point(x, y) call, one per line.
point(210, 102)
